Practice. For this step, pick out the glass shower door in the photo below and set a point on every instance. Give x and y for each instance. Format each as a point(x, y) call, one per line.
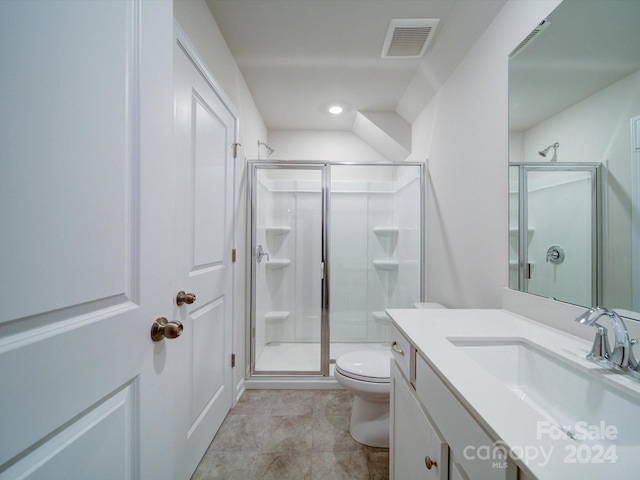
point(288, 269)
point(559, 237)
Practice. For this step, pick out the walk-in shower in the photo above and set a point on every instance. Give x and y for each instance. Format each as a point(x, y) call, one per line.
point(332, 246)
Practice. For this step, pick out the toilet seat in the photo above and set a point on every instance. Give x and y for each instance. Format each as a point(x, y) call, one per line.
point(366, 365)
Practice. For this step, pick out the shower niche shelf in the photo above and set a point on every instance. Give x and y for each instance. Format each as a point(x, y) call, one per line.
point(276, 316)
point(277, 264)
point(386, 231)
point(277, 229)
point(513, 231)
point(386, 264)
point(381, 317)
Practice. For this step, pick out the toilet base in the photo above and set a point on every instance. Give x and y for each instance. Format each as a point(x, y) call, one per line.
point(370, 423)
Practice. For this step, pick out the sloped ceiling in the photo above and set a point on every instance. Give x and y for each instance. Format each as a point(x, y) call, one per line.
point(300, 56)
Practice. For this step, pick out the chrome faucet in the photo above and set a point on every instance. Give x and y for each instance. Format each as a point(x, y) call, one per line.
point(622, 356)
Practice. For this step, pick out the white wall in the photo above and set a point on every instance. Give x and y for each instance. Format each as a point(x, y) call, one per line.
point(319, 145)
point(199, 25)
point(464, 134)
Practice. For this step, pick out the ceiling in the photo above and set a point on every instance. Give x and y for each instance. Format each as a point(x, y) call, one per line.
point(300, 56)
point(587, 46)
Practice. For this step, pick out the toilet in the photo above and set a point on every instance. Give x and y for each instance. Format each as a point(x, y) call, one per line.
point(366, 374)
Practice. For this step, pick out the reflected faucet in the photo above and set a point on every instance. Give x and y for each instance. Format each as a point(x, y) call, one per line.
point(622, 356)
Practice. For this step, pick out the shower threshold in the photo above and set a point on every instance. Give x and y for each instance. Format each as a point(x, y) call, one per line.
point(287, 356)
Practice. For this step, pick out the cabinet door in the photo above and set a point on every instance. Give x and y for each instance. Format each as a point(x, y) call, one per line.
point(456, 471)
point(414, 442)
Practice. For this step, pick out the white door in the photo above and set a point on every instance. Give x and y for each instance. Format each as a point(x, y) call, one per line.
point(85, 160)
point(204, 134)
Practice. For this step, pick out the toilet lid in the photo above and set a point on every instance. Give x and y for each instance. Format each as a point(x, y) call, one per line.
point(366, 365)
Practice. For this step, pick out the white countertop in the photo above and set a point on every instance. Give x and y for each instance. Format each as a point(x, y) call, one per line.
point(497, 409)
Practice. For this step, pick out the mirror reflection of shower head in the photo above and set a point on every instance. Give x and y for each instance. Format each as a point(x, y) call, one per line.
point(555, 146)
point(269, 149)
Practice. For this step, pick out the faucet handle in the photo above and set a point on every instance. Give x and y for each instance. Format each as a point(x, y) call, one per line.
point(633, 361)
point(600, 349)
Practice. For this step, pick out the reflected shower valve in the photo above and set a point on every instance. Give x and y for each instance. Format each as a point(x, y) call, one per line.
point(260, 252)
point(555, 254)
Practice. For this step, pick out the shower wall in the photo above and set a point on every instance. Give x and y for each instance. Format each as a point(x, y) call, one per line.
point(560, 210)
point(560, 213)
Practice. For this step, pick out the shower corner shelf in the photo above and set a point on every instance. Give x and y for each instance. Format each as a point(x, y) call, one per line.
point(277, 264)
point(381, 317)
point(386, 264)
point(277, 229)
point(277, 316)
point(514, 231)
point(388, 231)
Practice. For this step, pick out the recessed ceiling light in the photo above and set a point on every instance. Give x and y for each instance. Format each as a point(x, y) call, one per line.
point(335, 109)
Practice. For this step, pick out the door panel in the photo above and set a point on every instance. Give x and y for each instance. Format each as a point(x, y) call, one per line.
point(85, 137)
point(44, 139)
point(209, 185)
point(204, 135)
point(288, 277)
point(110, 424)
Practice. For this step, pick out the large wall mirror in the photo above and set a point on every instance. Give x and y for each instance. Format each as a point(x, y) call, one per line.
point(574, 152)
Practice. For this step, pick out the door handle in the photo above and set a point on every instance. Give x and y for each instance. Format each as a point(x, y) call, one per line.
point(183, 298)
point(163, 328)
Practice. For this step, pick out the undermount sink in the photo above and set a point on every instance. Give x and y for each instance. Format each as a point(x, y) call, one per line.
point(579, 401)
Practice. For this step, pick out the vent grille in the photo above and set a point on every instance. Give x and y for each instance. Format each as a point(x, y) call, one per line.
point(409, 38)
point(530, 38)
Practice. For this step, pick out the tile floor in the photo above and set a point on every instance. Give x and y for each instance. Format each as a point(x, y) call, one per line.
point(291, 434)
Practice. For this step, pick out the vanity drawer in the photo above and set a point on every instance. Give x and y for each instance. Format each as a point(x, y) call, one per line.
point(401, 351)
point(462, 432)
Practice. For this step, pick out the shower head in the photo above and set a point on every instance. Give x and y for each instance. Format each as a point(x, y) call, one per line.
point(543, 153)
point(269, 149)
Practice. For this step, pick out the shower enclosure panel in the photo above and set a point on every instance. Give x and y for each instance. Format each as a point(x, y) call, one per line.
point(375, 255)
point(556, 249)
point(288, 263)
point(333, 246)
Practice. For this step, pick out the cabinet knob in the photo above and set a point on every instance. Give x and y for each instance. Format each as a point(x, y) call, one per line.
point(430, 462)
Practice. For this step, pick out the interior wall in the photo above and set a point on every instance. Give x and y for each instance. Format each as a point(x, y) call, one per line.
point(319, 145)
point(195, 19)
point(463, 132)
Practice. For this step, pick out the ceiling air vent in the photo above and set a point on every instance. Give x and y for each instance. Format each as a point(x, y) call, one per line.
point(530, 38)
point(409, 38)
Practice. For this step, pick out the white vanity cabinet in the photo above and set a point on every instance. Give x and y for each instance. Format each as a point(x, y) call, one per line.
point(417, 451)
point(429, 426)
